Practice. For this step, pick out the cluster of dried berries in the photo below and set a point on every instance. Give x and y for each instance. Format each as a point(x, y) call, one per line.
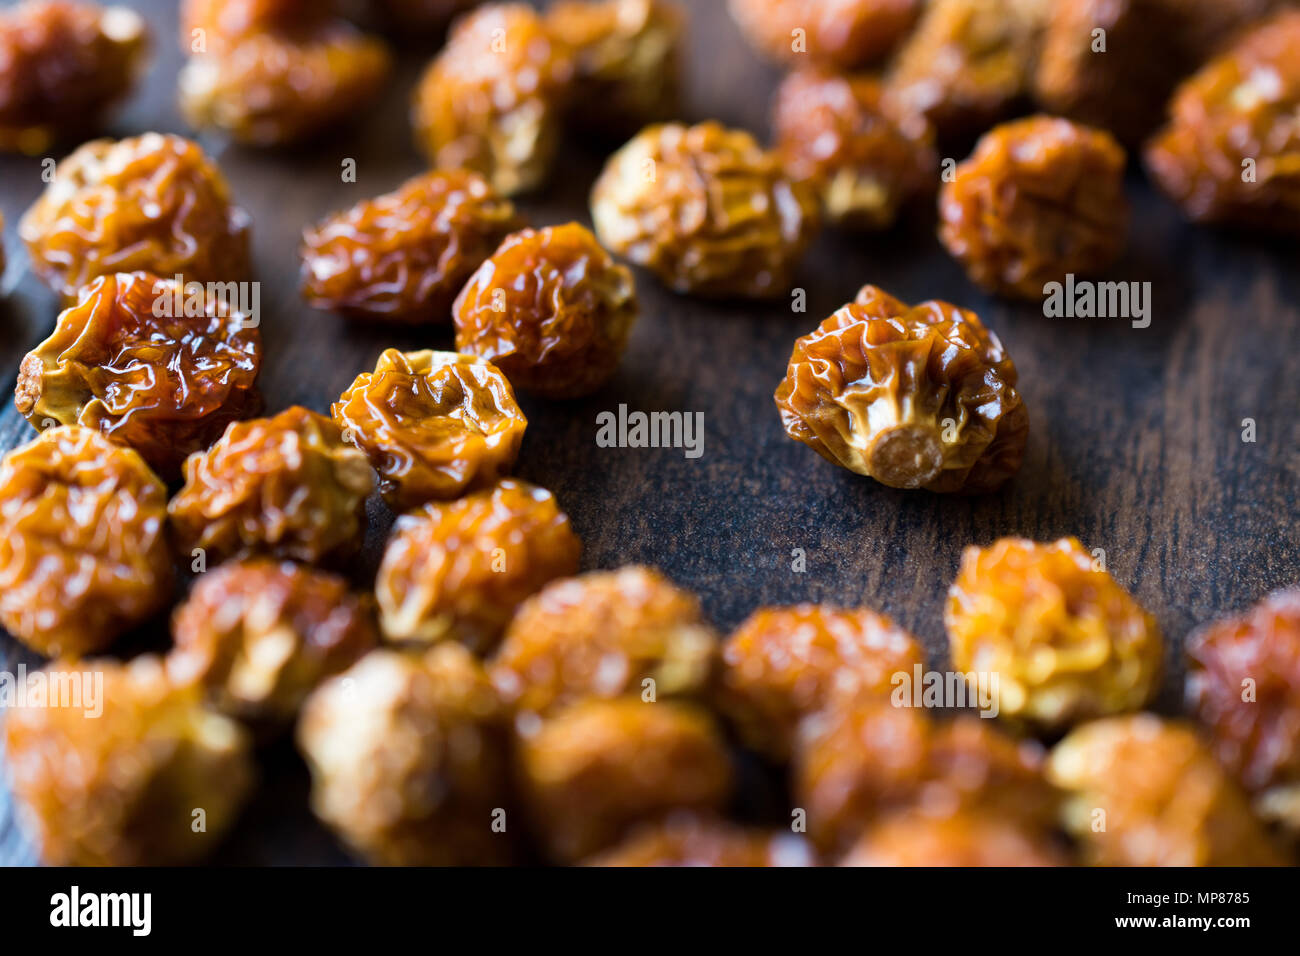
point(841, 33)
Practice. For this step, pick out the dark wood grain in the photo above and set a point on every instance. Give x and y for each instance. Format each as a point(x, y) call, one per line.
point(1136, 433)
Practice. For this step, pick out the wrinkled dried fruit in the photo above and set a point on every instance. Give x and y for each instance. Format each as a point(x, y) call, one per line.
point(914, 396)
point(706, 209)
point(457, 571)
point(408, 759)
point(434, 424)
point(1065, 640)
point(1039, 198)
point(1161, 796)
point(285, 487)
point(551, 309)
point(403, 256)
point(118, 783)
point(494, 98)
point(1244, 688)
point(259, 635)
point(588, 774)
point(866, 160)
point(687, 839)
point(62, 67)
point(153, 203)
point(962, 838)
point(782, 664)
point(604, 634)
point(842, 33)
point(166, 385)
point(83, 543)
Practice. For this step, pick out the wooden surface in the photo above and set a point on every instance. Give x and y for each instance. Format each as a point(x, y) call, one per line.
point(1135, 443)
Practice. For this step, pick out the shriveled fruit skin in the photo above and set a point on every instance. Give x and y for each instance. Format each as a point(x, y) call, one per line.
point(962, 838)
point(457, 570)
point(433, 424)
point(1065, 640)
point(551, 309)
point(83, 542)
point(689, 839)
point(843, 33)
point(920, 396)
point(166, 385)
point(121, 787)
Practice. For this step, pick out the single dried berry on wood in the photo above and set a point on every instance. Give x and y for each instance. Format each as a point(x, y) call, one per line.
point(408, 760)
point(118, 782)
point(782, 664)
point(962, 838)
point(83, 542)
point(1039, 198)
point(551, 309)
point(842, 33)
point(493, 100)
point(605, 634)
point(1244, 689)
point(706, 209)
point(403, 256)
point(866, 159)
point(285, 487)
point(165, 384)
point(62, 66)
point(1159, 797)
point(1065, 640)
point(153, 203)
point(596, 769)
point(260, 635)
point(688, 839)
point(434, 424)
point(916, 396)
point(457, 571)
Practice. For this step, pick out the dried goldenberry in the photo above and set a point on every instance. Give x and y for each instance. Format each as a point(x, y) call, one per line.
point(842, 33)
point(605, 634)
point(457, 571)
point(688, 839)
point(153, 203)
point(706, 209)
point(961, 838)
point(122, 781)
point(83, 543)
point(782, 664)
point(551, 309)
point(408, 760)
point(1146, 792)
point(916, 396)
point(434, 424)
point(148, 362)
point(1065, 640)
point(260, 635)
point(596, 769)
point(1040, 198)
point(285, 487)
point(403, 256)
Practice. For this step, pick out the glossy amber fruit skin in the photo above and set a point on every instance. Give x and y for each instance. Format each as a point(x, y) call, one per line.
point(403, 256)
point(494, 99)
point(83, 542)
point(604, 634)
point(64, 65)
point(841, 33)
point(588, 774)
point(283, 487)
point(166, 386)
point(152, 203)
point(408, 760)
point(706, 209)
point(457, 570)
point(1165, 800)
point(259, 635)
point(1039, 198)
point(120, 788)
point(433, 424)
point(919, 396)
point(1253, 728)
point(783, 663)
point(866, 160)
point(1065, 640)
point(551, 309)
point(962, 838)
point(689, 839)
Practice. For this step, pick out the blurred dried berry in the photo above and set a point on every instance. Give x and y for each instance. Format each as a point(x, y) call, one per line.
point(83, 543)
point(688, 839)
point(551, 309)
point(962, 838)
point(842, 33)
